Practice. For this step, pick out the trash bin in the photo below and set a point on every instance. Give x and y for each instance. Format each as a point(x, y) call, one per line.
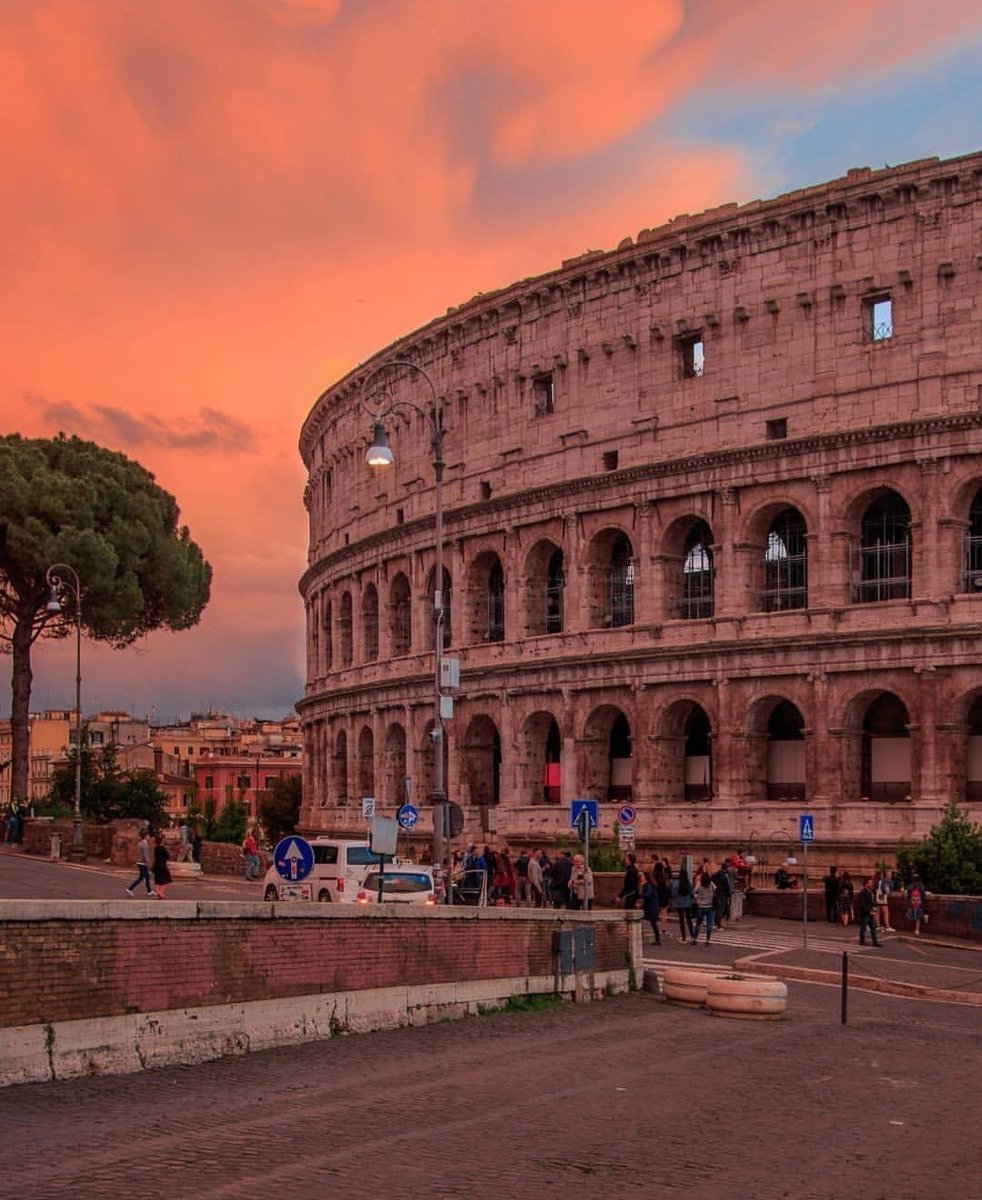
point(56, 845)
point(736, 906)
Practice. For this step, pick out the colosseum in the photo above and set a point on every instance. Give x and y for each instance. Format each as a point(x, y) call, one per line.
point(712, 535)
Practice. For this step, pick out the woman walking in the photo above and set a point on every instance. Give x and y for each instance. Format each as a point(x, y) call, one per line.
point(683, 898)
point(580, 884)
point(705, 895)
point(916, 896)
point(844, 903)
point(161, 873)
point(631, 887)
point(651, 905)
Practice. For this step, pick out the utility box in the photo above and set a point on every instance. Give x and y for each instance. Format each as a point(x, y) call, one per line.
point(575, 950)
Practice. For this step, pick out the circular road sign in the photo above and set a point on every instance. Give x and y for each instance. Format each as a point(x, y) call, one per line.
point(293, 858)
point(626, 815)
point(407, 816)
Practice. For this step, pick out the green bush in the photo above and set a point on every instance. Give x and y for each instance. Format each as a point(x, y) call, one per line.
point(949, 860)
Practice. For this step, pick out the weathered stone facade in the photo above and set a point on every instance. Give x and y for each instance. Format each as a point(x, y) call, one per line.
point(713, 533)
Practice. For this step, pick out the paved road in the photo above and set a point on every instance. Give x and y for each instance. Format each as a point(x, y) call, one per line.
point(580, 1102)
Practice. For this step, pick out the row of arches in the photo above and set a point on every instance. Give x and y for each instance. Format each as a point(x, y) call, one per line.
point(881, 569)
point(546, 761)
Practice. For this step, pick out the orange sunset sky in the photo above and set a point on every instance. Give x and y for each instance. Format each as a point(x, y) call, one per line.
point(212, 209)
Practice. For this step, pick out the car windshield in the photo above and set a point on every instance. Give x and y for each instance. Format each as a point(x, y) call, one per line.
point(399, 883)
point(361, 856)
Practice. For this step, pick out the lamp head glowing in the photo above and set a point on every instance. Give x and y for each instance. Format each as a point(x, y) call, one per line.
point(379, 454)
point(54, 604)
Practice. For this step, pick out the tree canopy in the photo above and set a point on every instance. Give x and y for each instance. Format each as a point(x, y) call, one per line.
point(949, 860)
point(65, 500)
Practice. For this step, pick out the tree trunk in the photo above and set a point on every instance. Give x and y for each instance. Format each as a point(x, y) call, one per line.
point(21, 678)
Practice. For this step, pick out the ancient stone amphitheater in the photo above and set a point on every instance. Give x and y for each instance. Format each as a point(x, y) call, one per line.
point(712, 510)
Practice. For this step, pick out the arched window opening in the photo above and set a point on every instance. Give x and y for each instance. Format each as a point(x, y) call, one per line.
point(555, 584)
point(786, 564)
point(620, 583)
point(400, 616)
point(496, 604)
point(973, 763)
point(698, 756)
point(785, 753)
point(884, 551)
point(620, 786)
point(369, 623)
point(341, 769)
point(344, 629)
point(885, 767)
point(972, 581)
point(328, 641)
point(697, 574)
point(552, 781)
point(366, 762)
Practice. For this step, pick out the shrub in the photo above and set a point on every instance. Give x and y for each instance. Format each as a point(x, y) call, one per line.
point(949, 860)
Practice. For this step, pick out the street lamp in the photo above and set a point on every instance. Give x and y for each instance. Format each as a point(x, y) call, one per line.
point(60, 576)
point(379, 457)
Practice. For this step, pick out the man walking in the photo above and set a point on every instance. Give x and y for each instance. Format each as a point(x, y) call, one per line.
point(866, 906)
point(831, 882)
point(535, 878)
point(250, 849)
point(142, 864)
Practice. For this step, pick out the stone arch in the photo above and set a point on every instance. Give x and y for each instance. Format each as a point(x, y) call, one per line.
point(328, 640)
point(400, 616)
point(774, 750)
point(540, 753)
point(366, 761)
point(880, 530)
point(485, 599)
point(777, 534)
point(369, 623)
point(545, 588)
point(480, 757)
point(970, 511)
point(688, 560)
point(610, 577)
point(345, 630)
point(606, 761)
point(877, 751)
point(339, 768)
point(686, 759)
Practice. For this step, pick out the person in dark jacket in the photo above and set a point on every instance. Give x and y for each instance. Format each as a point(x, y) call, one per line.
point(562, 868)
point(631, 887)
point(865, 909)
point(161, 872)
point(831, 883)
point(721, 897)
point(651, 906)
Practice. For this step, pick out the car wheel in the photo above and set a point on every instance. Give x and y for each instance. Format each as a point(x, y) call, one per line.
point(271, 893)
point(324, 896)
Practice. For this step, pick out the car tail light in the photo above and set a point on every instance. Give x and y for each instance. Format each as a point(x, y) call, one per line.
point(340, 883)
point(363, 898)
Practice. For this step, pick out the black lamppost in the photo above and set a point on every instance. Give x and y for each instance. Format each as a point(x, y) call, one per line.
point(59, 577)
point(379, 456)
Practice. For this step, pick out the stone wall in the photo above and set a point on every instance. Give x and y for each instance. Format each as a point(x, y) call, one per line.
point(948, 916)
point(90, 987)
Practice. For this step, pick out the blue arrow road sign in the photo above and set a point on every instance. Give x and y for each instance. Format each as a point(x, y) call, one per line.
point(806, 827)
point(407, 816)
point(590, 807)
point(293, 858)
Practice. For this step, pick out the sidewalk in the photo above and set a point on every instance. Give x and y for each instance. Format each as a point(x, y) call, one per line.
point(942, 969)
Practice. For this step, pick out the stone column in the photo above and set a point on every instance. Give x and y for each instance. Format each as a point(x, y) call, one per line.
point(728, 591)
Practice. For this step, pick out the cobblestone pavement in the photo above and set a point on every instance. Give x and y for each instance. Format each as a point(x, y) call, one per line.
point(586, 1101)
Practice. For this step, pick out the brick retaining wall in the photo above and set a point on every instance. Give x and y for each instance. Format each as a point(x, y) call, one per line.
point(948, 916)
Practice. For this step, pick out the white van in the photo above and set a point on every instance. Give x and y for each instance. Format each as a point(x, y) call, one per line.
point(339, 869)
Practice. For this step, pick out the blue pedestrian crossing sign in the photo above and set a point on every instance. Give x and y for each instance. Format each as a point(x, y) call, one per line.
point(578, 807)
point(806, 827)
point(407, 816)
point(293, 858)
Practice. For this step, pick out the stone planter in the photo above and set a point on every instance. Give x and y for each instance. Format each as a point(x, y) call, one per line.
point(687, 986)
point(750, 997)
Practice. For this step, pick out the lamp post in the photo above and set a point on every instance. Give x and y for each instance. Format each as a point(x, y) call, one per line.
point(60, 576)
point(379, 456)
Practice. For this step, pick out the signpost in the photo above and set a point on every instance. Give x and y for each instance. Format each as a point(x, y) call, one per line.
point(407, 816)
point(806, 835)
point(293, 858)
point(626, 815)
point(367, 807)
point(383, 839)
point(584, 815)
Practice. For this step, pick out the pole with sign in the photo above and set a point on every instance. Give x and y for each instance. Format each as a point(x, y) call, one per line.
point(806, 835)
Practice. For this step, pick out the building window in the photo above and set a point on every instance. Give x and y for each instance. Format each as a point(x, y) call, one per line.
point(543, 395)
point(369, 623)
point(621, 583)
point(777, 429)
point(554, 593)
point(972, 581)
point(879, 318)
point(485, 489)
point(786, 563)
point(400, 516)
point(242, 781)
point(697, 574)
point(209, 783)
point(884, 551)
point(692, 359)
point(610, 460)
point(400, 608)
point(345, 629)
point(496, 604)
point(190, 750)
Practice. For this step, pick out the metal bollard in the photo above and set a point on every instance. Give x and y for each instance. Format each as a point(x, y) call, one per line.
point(55, 846)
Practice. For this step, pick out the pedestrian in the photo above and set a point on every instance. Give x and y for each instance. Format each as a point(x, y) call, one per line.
point(631, 887)
point(882, 887)
point(142, 864)
point(250, 849)
point(683, 900)
point(865, 906)
point(663, 882)
point(916, 896)
point(535, 883)
point(846, 895)
point(521, 864)
point(562, 868)
point(13, 822)
point(705, 896)
point(580, 884)
point(504, 883)
point(831, 883)
point(650, 905)
point(475, 870)
point(721, 897)
point(161, 872)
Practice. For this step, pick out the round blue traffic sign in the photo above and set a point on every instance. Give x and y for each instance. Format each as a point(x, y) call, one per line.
point(293, 858)
point(407, 816)
point(626, 815)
